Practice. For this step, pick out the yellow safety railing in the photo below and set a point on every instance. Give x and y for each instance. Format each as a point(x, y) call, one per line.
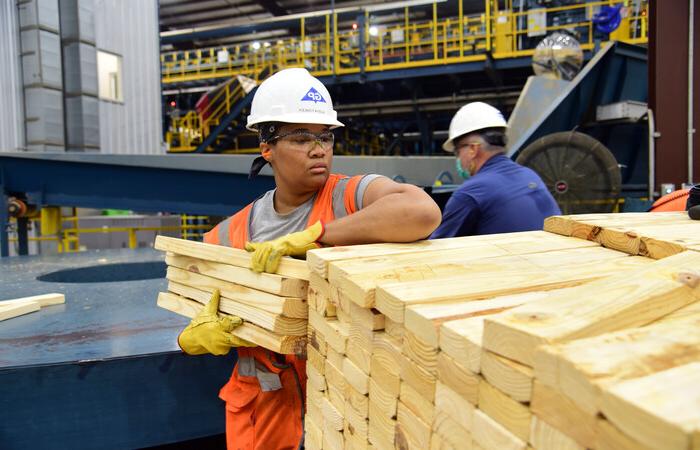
point(403, 44)
point(68, 239)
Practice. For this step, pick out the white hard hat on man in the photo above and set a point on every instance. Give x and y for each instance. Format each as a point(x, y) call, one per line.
point(292, 96)
point(472, 117)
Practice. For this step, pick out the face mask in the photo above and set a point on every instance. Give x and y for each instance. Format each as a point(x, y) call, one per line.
point(462, 173)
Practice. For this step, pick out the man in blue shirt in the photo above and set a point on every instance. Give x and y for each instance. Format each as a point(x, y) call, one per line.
point(499, 195)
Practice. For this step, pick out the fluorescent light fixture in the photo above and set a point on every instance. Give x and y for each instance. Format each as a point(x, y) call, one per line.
point(256, 45)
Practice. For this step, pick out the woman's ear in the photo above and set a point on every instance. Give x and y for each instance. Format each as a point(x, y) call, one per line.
point(266, 151)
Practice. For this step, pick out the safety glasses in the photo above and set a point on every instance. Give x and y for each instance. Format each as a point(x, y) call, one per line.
point(305, 140)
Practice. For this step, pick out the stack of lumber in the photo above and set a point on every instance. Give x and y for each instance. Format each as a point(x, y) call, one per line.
point(273, 306)
point(526, 340)
point(25, 305)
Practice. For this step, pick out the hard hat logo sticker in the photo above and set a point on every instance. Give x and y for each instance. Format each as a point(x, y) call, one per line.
point(313, 96)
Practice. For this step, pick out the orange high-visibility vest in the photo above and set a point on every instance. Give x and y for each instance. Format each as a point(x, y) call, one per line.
point(675, 201)
point(265, 396)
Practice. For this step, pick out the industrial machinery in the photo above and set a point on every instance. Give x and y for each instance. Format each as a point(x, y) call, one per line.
point(589, 138)
point(397, 72)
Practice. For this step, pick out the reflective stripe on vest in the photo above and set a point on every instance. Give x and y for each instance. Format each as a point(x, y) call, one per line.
point(268, 381)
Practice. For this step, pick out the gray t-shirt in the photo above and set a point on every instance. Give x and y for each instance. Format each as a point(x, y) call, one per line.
point(266, 223)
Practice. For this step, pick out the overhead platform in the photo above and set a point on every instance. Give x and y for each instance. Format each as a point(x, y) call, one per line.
point(104, 369)
point(215, 185)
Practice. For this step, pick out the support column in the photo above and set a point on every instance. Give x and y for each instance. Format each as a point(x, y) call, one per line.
point(4, 224)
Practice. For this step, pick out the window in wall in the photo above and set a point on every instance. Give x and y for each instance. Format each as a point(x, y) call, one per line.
point(109, 76)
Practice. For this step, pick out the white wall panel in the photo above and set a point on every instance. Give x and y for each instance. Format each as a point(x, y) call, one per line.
point(129, 28)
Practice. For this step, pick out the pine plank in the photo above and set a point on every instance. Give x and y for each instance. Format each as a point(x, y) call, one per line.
point(451, 404)
point(562, 413)
point(424, 320)
point(275, 304)
point(320, 259)
point(317, 341)
point(315, 359)
point(368, 318)
point(454, 436)
point(313, 435)
point(331, 415)
point(423, 409)
point(385, 365)
point(359, 349)
point(265, 319)
point(510, 377)
point(625, 300)
point(661, 410)
point(316, 380)
point(334, 333)
point(489, 434)
point(610, 438)
point(461, 340)
point(289, 267)
point(18, 309)
point(247, 331)
point(458, 378)
point(335, 377)
point(514, 416)
point(418, 378)
point(356, 425)
point(411, 432)
point(332, 438)
point(43, 300)
point(272, 283)
point(543, 436)
point(392, 298)
point(381, 428)
point(355, 377)
point(384, 401)
point(392, 328)
point(421, 353)
point(584, 368)
point(587, 226)
point(358, 401)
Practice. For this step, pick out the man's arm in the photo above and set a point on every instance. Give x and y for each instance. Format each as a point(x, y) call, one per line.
point(392, 212)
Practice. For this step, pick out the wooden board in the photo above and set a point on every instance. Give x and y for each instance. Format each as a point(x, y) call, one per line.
point(424, 320)
point(513, 415)
point(357, 401)
point(411, 432)
point(543, 436)
point(392, 298)
point(381, 427)
point(334, 333)
point(661, 410)
point(384, 400)
point(454, 435)
point(418, 378)
point(461, 340)
point(289, 267)
point(423, 408)
point(275, 304)
point(610, 438)
point(361, 287)
point(616, 302)
point(453, 405)
point(265, 319)
point(510, 377)
point(584, 368)
point(355, 377)
point(489, 434)
point(272, 283)
point(458, 378)
point(560, 412)
point(247, 331)
point(43, 300)
point(420, 353)
point(18, 309)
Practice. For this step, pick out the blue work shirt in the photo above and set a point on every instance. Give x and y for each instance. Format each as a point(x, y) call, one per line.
point(502, 197)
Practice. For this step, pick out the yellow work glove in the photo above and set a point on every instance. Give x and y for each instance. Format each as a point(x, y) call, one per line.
point(267, 255)
point(210, 333)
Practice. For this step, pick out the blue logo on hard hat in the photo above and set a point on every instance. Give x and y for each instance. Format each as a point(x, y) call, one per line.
point(313, 96)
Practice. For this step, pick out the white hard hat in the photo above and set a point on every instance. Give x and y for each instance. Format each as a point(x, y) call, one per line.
point(473, 117)
point(292, 96)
